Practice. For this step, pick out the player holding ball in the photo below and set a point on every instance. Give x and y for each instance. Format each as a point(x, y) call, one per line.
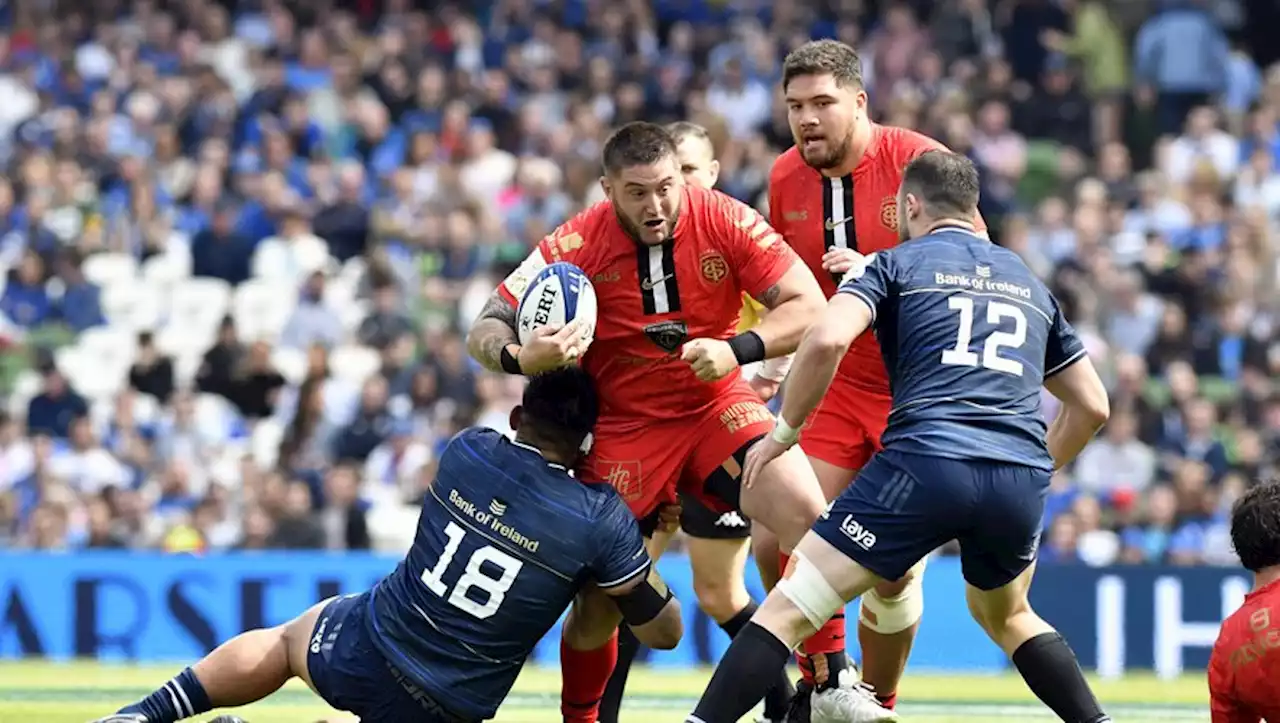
point(669, 263)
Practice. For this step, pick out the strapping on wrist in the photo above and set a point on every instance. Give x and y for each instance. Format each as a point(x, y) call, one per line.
point(747, 348)
point(784, 433)
point(509, 362)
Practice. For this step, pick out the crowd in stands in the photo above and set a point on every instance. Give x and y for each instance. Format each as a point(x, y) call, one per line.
point(242, 241)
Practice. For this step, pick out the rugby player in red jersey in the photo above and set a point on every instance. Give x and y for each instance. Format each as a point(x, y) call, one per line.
point(1244, 670)
point(669, 263)
point(833, 196)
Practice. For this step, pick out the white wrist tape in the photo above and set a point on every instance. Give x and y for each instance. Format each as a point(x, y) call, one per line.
point(775, 369)
point(784, 433)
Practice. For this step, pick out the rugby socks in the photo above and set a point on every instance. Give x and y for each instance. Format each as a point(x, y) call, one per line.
point(628, 648)
point(1052, 673)
point(584, 676)
point(779, 696)
point(182, 697)
point(746, 671)
point(823, 655)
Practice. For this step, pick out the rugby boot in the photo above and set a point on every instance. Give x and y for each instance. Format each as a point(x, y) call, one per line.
point(849, 704)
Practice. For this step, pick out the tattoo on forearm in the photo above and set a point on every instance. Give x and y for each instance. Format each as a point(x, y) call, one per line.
point(492, 332)
point(770, 296)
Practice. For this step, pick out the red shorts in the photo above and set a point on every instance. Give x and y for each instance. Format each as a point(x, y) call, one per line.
point(846, 427)
point(650, 462)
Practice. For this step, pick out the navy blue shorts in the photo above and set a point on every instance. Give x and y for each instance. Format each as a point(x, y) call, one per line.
point(903, 506)
point(350, 673)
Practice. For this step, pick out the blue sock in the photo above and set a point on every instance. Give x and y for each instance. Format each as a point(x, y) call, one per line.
point(182, 697)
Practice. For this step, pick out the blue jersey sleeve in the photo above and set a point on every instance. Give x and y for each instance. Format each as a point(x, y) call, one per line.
point(1064, 347)
point(620, 555)
point(871, 282)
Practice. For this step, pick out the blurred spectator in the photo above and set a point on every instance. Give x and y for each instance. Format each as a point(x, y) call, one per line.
point(255, 386)
point(220, 251)
point(298, 528)
point(371, 426)
point(56, 407)
point(313, 320)
point(26, 301)
point(1188, 77)
point(152, 373)
point(392, 470)
point(343, 517)
point(387, 322)
point(1118, 460)
point(293, 255)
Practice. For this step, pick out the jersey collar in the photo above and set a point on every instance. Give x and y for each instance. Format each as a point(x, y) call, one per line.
point(538, 452)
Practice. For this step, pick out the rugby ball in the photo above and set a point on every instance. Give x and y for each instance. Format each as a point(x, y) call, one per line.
point(559, 294)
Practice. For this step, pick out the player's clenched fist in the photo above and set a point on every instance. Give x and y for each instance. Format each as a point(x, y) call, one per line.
point(711, 359)
point(552, 347)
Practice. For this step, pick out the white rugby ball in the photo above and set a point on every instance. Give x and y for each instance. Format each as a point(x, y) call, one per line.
point(559, 294)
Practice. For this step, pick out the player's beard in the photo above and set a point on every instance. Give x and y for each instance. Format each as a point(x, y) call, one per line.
point(834, 156)
point(643, 234)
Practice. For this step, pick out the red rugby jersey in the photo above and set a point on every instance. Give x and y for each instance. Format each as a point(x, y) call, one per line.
point(652, 299)
point(858, 211)
point(1244, 670)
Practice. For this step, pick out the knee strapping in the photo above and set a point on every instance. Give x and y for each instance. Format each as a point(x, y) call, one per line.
point(889, 615)
point(810, 592)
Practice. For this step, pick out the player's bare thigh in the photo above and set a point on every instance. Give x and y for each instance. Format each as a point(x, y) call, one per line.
point(297, 639)
point(718, 578)
point(594, 616)
point(786, 499)
point(1005, 613)
point(832, 478)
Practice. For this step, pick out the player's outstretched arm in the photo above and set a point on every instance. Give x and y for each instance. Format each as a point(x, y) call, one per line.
point(493, 332)
point(844, 320)
point(1085, 408)
point(651, 610)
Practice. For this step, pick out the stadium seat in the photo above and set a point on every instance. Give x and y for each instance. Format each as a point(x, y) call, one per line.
point(291, 363)
point(354, 363)
point(109, 269)
point(352, 313)
point(169, 268)
point(133, 306)
point(88, 375)
point(215, 415)
point(111, 346)
point(261, 308)
point(264, 445)
point(199, 303)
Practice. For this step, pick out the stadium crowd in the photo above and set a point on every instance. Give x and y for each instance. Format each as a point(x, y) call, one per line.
point(242, 240)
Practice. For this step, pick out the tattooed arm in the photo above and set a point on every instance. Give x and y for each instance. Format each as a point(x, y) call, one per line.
point(494, 331)
point(794, 303)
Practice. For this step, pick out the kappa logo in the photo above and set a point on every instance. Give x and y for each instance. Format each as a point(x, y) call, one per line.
point(861, 536)
point(668, 335)
point(731, 519)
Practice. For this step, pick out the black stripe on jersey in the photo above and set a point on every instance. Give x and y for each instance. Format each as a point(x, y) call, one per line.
point(659, 289)
point(839, 228)
point(851, 225)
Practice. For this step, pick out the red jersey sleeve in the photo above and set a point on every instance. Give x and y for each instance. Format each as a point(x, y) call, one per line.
point(755, 251)
point(562, 244)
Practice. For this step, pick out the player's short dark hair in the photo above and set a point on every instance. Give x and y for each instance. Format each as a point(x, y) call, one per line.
point(637, 144)
point(824, 57)
point(947, 183)
point(560, 406)
point(1255, 526)
point(681, 130)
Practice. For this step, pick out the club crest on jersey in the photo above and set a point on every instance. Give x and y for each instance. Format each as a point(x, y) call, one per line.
point(669, 335)
point(714, 267)
point(889, 213)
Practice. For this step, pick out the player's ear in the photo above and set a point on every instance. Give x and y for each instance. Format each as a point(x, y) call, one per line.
point(606, 186)
point(514, 419)
point(715, 171)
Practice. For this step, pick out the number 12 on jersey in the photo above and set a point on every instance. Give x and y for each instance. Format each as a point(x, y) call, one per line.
point(997, 312)
point(473, 576)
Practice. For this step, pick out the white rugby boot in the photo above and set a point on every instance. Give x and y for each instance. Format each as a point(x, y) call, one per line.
point(850, 702)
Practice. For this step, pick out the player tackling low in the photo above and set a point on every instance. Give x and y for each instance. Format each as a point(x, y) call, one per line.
point(505, 540)
point(833, 196)
point(1244, 670)
point(969, 336)
point(669, 263)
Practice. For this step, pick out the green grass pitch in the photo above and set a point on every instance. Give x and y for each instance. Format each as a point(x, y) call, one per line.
point(39, 692)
